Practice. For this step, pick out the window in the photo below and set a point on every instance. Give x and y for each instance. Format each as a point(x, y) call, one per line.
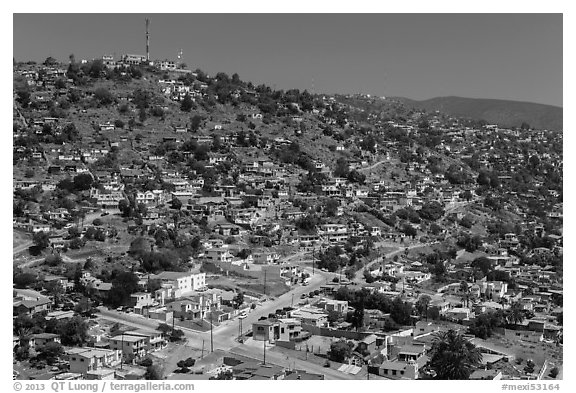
point(393, 372)
point(282, 330)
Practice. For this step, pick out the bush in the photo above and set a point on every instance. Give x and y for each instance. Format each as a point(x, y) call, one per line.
point(103, 96)
point(554, 372)
point(147, 362)
point(53, 260)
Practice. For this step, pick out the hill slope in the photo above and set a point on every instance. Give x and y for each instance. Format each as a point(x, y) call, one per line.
point(502, 112)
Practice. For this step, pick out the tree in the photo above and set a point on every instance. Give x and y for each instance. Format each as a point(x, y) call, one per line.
point(195, 122)
point(176, 335)
point(331, 207)
point(340, 350)
point(23, 97)
point(422, 305)
point(187, 104)
point(125, 207)
point(103, 96)
point(516, 313)
point(483, 264)
point(153, 372)
point(358, 317)
point(333, 316)
point(409, 230)
point(23, 280)
point(73, 331)
point(238, 300)
point(55, 290)
point(77, 243)
point(83, 182)
point(164, 328)
point(123, 285)
point(84, 306)
point(529, 368)
point(41, 239)
point(341, 169)
point(50, 352)
point(50, 61)
point(176, 204)
point(554, 372)
point(146, 362)
point(431, 211)
point(467, 221)
point(141, 98)
point(401, 311)
point(453, 356)
point(439, 271)
point(467, 195)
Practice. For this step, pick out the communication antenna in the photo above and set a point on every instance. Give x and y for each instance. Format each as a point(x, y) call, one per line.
point(147, 40)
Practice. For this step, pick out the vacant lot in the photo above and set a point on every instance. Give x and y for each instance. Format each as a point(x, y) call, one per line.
point(19, 238)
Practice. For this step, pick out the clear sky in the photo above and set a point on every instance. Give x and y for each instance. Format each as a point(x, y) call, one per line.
point(419, 56)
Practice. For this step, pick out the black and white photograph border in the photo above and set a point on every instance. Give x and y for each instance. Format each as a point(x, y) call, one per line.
point(281, 193)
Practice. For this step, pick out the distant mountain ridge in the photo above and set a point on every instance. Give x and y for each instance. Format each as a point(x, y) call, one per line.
point(502, 112)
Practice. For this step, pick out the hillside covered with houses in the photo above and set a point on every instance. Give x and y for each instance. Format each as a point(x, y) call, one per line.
point(349, 233)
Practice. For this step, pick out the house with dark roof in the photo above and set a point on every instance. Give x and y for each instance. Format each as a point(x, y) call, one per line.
point(31, 307)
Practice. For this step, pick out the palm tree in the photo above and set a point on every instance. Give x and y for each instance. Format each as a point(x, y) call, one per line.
point(466, 291)
point(55, 290)
point(515, 313)
point(453, 356)
point(422, 305)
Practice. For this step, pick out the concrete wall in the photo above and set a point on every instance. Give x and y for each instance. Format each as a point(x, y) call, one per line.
point(326, 332)
point(286, 344)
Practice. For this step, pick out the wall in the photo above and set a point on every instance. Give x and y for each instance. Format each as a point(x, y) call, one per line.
point(326, 332)
point(286, 344)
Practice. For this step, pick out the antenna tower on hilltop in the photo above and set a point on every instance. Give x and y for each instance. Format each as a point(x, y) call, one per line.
point(147, 40)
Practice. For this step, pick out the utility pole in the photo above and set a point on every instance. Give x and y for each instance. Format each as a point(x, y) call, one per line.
point(241, 329)
point(264, 342)
point(211, 337)
point(264, 282)
point(313, 259)
point(292, 302)
point(202, 356)
point(122, 352)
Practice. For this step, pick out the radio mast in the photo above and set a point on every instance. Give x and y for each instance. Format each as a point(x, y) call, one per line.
point(147, 40)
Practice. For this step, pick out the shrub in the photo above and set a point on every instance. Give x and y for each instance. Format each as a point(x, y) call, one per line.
point(554, 372)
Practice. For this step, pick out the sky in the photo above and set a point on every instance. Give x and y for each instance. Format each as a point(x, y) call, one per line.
point(419, 56)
